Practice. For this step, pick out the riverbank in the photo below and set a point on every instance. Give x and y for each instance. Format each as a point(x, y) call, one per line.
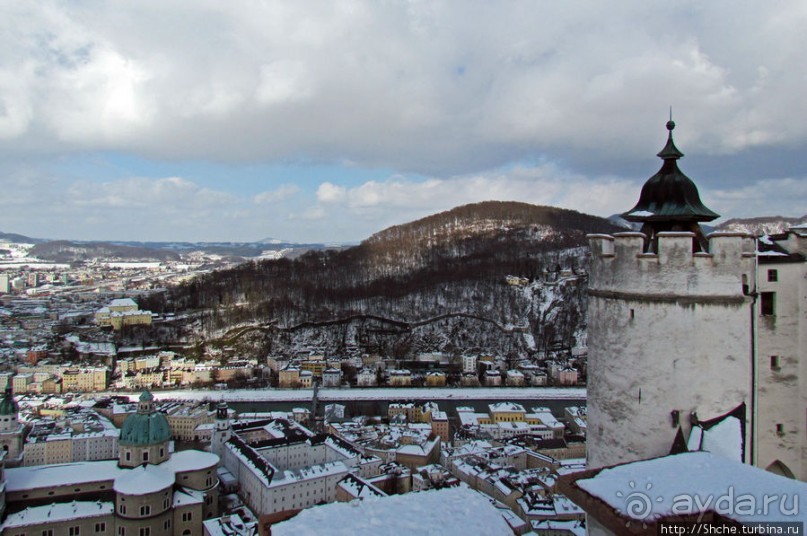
point(369, 394)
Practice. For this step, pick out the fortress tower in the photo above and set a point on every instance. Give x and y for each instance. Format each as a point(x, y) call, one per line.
point(669, 314)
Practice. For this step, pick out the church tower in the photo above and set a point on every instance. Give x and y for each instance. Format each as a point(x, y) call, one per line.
point(669, 308)
point(11, 429)
point(222, 430)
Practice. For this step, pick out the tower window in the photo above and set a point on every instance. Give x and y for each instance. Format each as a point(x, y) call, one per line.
point(780, 429)
point(774, 362)
point(773, 275)
point(766, 304)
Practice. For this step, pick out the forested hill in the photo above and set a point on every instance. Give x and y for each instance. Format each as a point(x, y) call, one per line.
point(492, 235)
point(454, 262)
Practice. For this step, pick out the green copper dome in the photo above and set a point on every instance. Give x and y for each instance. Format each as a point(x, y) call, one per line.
point(146, 427)
point(9, 406)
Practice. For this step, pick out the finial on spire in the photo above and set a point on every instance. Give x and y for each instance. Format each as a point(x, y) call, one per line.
point(670, 123)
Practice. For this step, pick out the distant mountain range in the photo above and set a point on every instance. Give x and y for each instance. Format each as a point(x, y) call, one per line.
point(409, 239)
point(65, 251)
point(767, 225)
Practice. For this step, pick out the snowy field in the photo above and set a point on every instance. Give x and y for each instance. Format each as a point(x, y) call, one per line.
point(414, 393)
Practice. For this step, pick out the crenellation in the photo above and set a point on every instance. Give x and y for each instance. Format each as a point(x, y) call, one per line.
point(676, 249)
point(620, 264)
point(729, 248)
point(629, 245)
point(601, 245)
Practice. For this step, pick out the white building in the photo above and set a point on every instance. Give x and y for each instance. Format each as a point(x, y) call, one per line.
point(331, 377)
point(366, 378)
point(282, 466)
point(781, 429)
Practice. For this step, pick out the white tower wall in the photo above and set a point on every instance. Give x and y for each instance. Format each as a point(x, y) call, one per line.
point(667, 331)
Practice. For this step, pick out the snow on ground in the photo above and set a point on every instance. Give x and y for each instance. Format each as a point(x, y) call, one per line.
point(413, 393)
point(412, 513)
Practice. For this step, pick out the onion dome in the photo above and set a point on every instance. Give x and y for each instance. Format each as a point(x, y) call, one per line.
point(146, 427)
point(669, 196)
point(9, 406)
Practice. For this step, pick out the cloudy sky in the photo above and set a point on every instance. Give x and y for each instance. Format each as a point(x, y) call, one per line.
point(328, 121)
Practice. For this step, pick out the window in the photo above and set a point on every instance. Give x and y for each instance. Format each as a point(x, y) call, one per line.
point(773, 275)
point(187, 516)
point(774, 362)
point(48, 532)
point(145, 531)
point(128, 455)
point(145, 456)
point(145, 510)
point(167, 524)
point(74, 531)
point(121, 531)
point(100, 527)
point(766, 304)
point(780, 429)
point(122, 509)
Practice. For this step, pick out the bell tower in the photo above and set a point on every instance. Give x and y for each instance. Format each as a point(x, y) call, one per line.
point(222, 430)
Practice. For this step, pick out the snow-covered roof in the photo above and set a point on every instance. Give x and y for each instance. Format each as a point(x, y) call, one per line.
point(144, 480)
point(506, 406)
point(230, 525)
point(545, 415)
point(123, 302)
point(693, 483)
point(53, 513)
point(412, 513)
point(185, 496)
point(190, 460)
point(48, 476)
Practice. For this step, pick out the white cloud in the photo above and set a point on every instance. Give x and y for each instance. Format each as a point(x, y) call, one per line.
point(277, 195)
point(443, 90)
point(435, 87)
point(399, 199)
point(766, 197)
point(330, 193)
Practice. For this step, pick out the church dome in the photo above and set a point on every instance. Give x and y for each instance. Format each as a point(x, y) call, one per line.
point(146, 427)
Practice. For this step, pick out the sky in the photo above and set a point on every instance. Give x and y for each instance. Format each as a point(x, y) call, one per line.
point(308, 121)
